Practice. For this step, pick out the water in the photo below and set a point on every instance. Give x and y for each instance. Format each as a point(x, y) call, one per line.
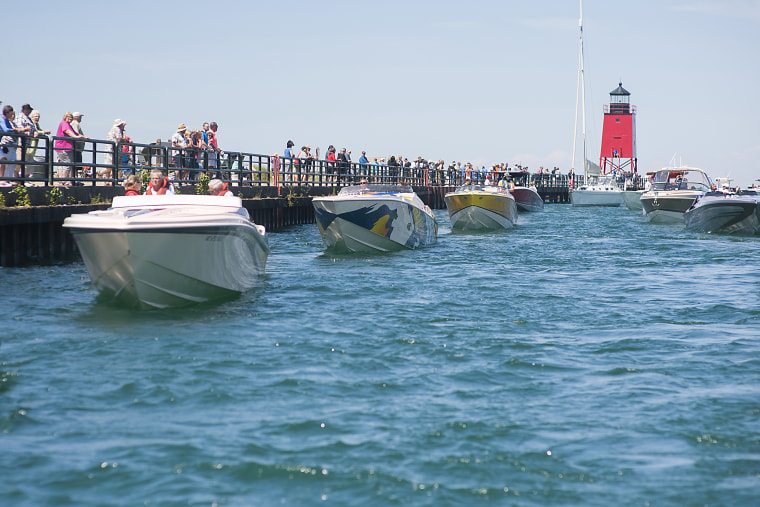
point(584, 358)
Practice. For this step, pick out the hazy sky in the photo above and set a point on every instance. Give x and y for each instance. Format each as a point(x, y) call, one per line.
point(478, 81)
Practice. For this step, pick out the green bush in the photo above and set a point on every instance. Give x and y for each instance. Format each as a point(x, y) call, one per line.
point(202, 187)
point(54, 196)
point(22, 196)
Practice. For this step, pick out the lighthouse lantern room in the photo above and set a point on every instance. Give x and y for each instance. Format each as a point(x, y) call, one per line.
point(619, 133)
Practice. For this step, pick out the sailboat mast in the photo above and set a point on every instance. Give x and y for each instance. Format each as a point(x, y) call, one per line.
point(580, 91)
point(583, 96)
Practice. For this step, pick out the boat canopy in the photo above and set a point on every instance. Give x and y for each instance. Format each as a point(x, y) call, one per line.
point(681, 178)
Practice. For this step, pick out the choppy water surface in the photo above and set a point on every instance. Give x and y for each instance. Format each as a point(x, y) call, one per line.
point(584, 358)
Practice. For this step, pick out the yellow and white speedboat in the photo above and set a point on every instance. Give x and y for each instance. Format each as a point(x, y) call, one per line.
point(481, 208)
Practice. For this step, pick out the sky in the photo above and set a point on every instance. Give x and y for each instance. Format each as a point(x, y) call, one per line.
point(478, 81)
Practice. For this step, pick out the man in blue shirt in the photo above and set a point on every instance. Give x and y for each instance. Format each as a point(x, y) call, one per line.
point(9, 144)
point(363, 161)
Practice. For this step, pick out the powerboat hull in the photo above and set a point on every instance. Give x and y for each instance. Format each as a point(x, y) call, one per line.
point(599, 191)
point(667, 207)
point(729, 214)
point(171, 251)
point(374, 220)
point(527, 199)
point(481, 210)
point(632, 199)
point(589, 197)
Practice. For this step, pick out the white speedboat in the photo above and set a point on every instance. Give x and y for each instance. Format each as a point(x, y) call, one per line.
point(599, 190)
point(375, 218)
point(160, 251)
point(674, 190)
point(481, 208)
point(725, 213)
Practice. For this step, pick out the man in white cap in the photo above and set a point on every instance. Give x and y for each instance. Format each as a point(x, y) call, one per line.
point(115, 135)
point(76, 124)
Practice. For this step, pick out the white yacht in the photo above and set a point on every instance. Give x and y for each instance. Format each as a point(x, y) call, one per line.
point(600, 190)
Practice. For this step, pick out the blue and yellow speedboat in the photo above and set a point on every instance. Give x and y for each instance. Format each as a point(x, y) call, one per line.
point(375, 218)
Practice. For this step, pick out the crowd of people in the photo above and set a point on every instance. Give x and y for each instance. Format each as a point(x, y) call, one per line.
point(198, 150)
point(27, 123)
point(298, 165)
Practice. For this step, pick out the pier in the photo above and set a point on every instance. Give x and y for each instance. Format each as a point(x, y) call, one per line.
point(276, 190)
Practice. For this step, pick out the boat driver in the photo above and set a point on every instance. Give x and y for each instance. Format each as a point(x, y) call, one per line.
point(218, 187)
point(159, 184)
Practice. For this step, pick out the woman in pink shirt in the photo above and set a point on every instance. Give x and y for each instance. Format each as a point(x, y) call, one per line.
point(65, 147)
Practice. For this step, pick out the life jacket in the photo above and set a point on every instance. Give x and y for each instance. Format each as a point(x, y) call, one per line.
point(132, 191)
point(160, 191)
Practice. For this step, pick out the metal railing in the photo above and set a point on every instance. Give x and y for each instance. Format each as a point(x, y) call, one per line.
point(70, 161)
point(101, 162)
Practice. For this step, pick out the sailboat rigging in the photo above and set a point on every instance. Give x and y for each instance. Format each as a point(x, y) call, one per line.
point(597, 189)
point(580, 93)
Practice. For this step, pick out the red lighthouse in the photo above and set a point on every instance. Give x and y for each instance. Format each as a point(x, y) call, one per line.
point(619, 133)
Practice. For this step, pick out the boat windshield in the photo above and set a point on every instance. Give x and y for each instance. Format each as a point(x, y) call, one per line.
point(681, 179)
point(375, 188)
point(130, 213)
point(469, 188)
point(482, 188)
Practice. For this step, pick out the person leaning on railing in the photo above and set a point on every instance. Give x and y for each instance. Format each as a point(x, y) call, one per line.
point(23, 120)
point(305, 162)
point(65, 147)
point(8, 144)
point(115, 135)
point(178, 141)
point(211, 151)
point(37, 132)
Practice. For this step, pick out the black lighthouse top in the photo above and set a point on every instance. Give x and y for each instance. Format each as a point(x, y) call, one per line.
point(620, 100)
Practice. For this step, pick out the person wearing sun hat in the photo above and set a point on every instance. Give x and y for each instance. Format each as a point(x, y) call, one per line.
point(115, 135)
point(76, 124)
point(179, 141)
